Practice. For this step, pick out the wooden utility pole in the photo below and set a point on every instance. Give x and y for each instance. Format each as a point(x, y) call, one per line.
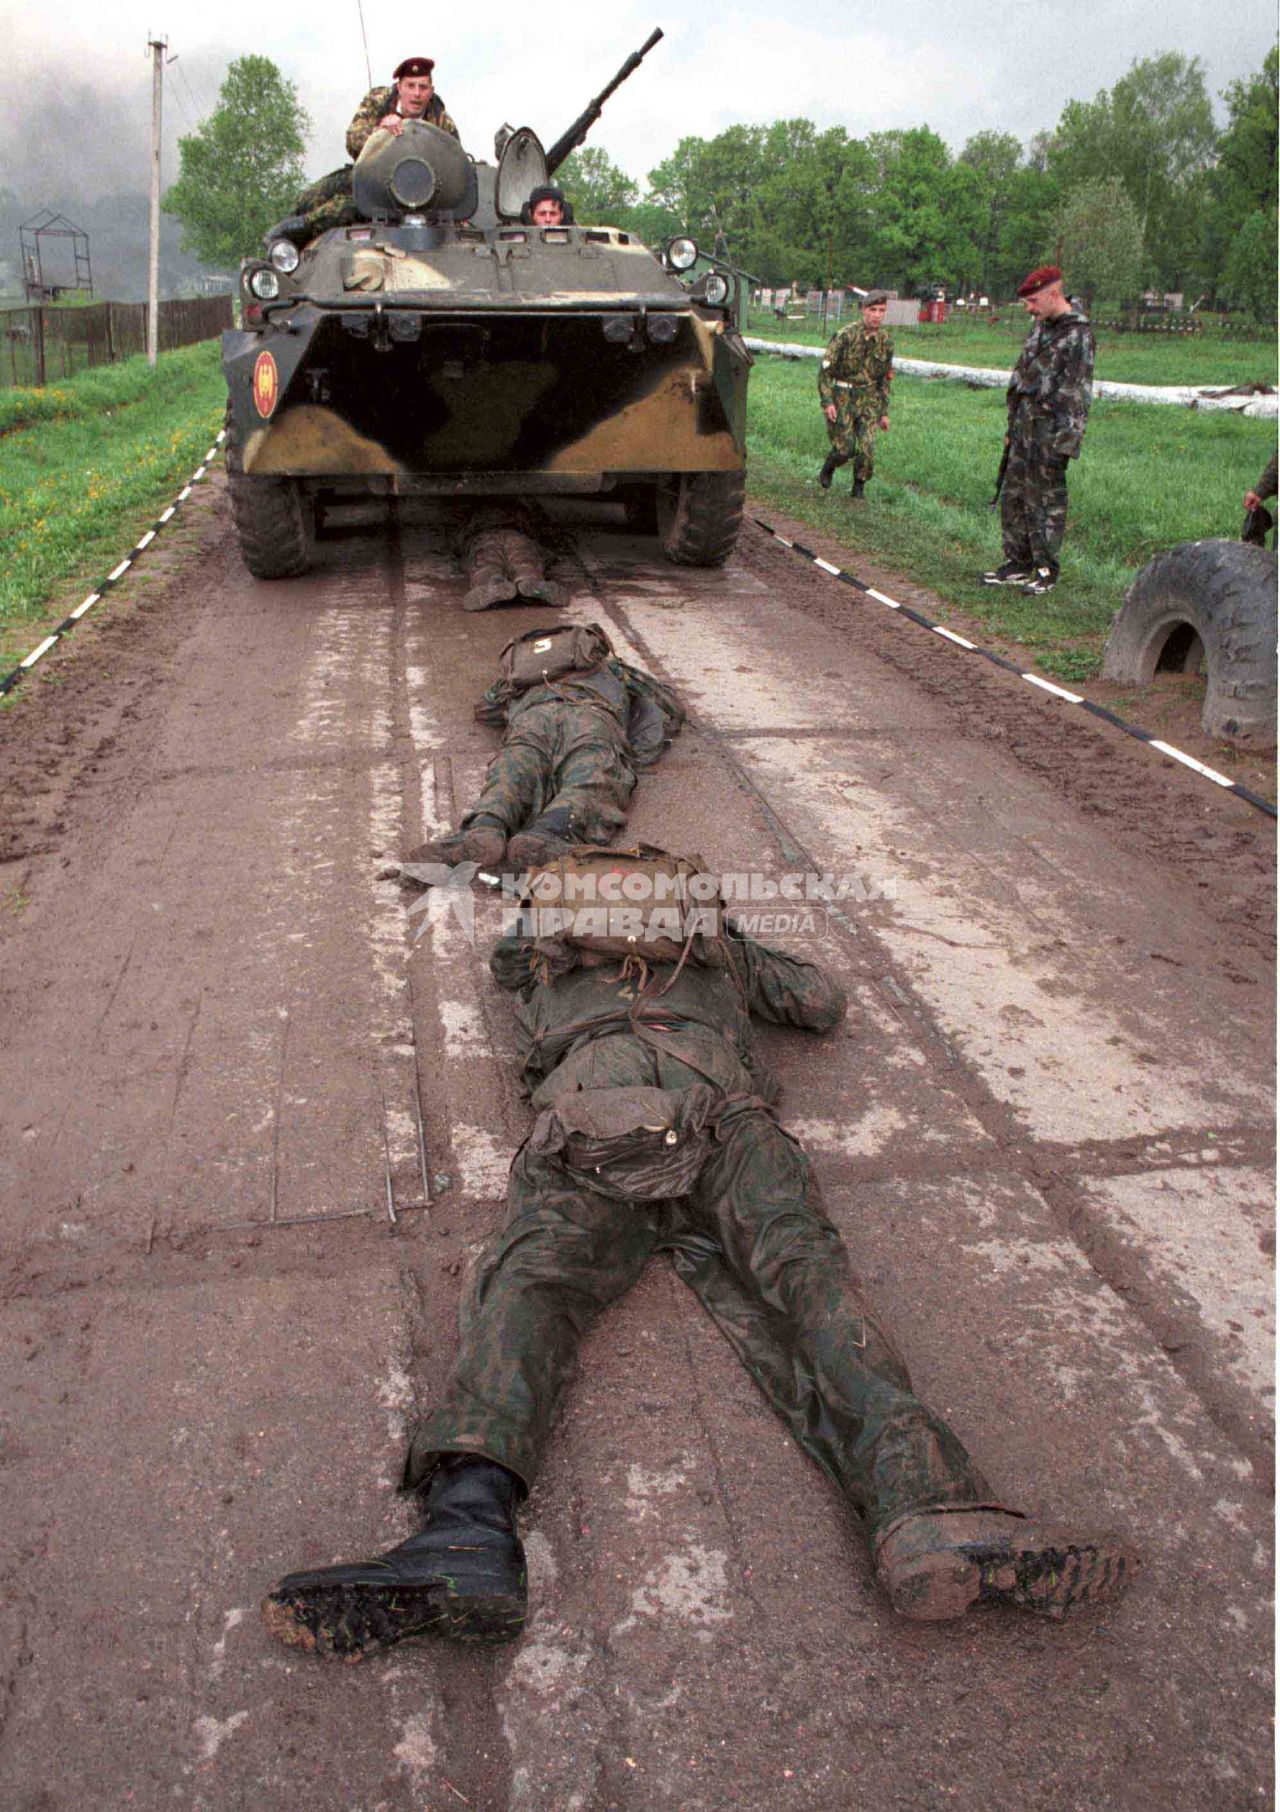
point(157, 47)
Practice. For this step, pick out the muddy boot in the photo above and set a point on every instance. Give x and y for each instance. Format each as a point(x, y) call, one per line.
point(483, 841)
point(547, 837)
point(462, 1576)
point(859, 489)
point(830, 466)
point(939, 1563)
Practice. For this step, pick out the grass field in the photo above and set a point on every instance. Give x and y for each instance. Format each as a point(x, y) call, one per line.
point(1125, 358)
point(1149, 476)
point(86, 465)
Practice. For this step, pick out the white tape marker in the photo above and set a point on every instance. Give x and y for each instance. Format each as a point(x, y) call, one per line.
point(881, 599)
point(1072, 698)
point(146, 541)
point(951, 636)
point(1191, 762)
point(827, 567)
point(48, 642)
point(88, 604)
point(123, 567)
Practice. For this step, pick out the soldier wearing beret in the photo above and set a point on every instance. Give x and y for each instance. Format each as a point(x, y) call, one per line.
point(329, 202)
point(411, 96)
point(853, 385)
point(1048, 397)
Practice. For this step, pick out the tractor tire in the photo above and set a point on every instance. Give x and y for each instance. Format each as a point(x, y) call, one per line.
point(274, 520)
point(699, 515)
point(1205, 606)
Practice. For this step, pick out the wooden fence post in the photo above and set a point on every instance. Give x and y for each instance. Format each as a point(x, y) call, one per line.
point(37, 343)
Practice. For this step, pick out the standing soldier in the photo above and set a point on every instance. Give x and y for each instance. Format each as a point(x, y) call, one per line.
point(854, 387)
point(1048, 396)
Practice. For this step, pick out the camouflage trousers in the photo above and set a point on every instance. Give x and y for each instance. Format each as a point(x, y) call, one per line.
point(1033, 504)
point(853, 433)
point(562, 768)
point(754, 1243)
point(327, 202)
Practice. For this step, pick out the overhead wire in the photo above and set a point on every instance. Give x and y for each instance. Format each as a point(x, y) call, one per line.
point(365, 41)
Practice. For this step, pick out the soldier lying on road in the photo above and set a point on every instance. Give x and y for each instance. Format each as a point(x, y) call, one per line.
point(578, 723)
point(656, 1132)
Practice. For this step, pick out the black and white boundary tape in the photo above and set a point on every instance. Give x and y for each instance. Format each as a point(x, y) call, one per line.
point(1032, 679)
point(117, 573)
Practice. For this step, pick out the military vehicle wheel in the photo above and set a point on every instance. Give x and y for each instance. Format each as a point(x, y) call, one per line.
point(1205, 606)
point(275, 521)
point(699, 515)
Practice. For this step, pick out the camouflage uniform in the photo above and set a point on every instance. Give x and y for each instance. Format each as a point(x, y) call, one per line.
point(329, 202)
point(1048, 397)
point(381, 101)
point(745, 1227)
point(567, 767)
point(855, 375)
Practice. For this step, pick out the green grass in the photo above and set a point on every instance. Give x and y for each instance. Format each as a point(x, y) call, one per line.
point(85, 466)
point(1149, 476)
point(1125, 358)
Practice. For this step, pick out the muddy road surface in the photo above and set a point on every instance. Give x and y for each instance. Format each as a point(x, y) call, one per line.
point(254, 1138)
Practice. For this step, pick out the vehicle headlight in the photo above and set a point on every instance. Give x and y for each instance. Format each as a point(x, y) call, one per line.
point(264, 283)
point(716, 288)
point(682, 254)
point(285, 255)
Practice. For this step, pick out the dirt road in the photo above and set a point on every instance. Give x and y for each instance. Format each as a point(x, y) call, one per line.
point(253, 1139)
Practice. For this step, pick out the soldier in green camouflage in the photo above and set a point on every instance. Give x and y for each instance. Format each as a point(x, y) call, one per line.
point(329, 202)
point(567, 767)
point(656, 1132)
point(853, 385)
point(1048, 398)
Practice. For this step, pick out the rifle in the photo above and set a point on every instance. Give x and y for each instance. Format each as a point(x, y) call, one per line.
point(1004, 467)
point(570, 140)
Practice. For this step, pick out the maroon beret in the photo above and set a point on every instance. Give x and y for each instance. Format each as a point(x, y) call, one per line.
point(415, 66)
point(1047, 273)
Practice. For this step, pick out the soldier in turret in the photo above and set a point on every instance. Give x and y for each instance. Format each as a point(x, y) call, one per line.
point(328, 202)
point(853, 384)
point(656, 1132)
point(1048, 398)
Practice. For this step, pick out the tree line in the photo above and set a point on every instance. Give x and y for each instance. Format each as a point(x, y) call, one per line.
point(1137, 187)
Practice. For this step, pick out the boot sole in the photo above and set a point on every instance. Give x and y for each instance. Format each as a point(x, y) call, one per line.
point(352, 1621)
point(1047, 1578)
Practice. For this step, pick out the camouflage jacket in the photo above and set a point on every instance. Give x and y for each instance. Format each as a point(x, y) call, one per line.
point(1052, 383)
point(574, 1027)
point(647, 713)
point(1266, 485)
point(377, 104)
point(859, 365)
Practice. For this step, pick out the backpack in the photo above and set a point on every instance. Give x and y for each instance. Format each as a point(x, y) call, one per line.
point(542, 655)
point(625, 902)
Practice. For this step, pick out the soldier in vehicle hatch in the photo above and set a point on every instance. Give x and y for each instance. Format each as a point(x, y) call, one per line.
point(329, 202)
point(577, 725)
point(656, 1131)
point(853, 384)
point(1048, 397)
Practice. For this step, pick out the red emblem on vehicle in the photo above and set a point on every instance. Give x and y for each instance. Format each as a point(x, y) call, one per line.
point(266, 384)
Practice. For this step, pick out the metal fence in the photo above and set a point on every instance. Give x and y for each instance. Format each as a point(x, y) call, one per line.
point(42, 345)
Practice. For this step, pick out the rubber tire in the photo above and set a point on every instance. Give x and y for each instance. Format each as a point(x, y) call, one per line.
point(699, 515)
point(1226, 592)
point(274, 520)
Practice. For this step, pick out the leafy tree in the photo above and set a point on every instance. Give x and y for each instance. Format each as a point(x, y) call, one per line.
point(1154, 130)
point(600, 192)
point(1099, 238)
point(241, 168)
point(1242, 189)
point(1250, 277)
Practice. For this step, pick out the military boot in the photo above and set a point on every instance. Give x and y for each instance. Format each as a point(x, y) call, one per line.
point(936, 1564)
point(462, 1576)
point(547, 837)
point(484, 841)
point(859, 488)
point(830, 466)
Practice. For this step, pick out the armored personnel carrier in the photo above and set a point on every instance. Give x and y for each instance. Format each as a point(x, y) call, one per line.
point(447, 346)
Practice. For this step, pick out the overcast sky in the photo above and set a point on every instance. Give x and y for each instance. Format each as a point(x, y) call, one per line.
point(74, 86)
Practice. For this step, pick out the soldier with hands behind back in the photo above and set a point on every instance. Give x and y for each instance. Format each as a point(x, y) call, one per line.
point(853, 384)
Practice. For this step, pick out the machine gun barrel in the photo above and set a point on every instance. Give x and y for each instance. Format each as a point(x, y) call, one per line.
point(570, 140)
